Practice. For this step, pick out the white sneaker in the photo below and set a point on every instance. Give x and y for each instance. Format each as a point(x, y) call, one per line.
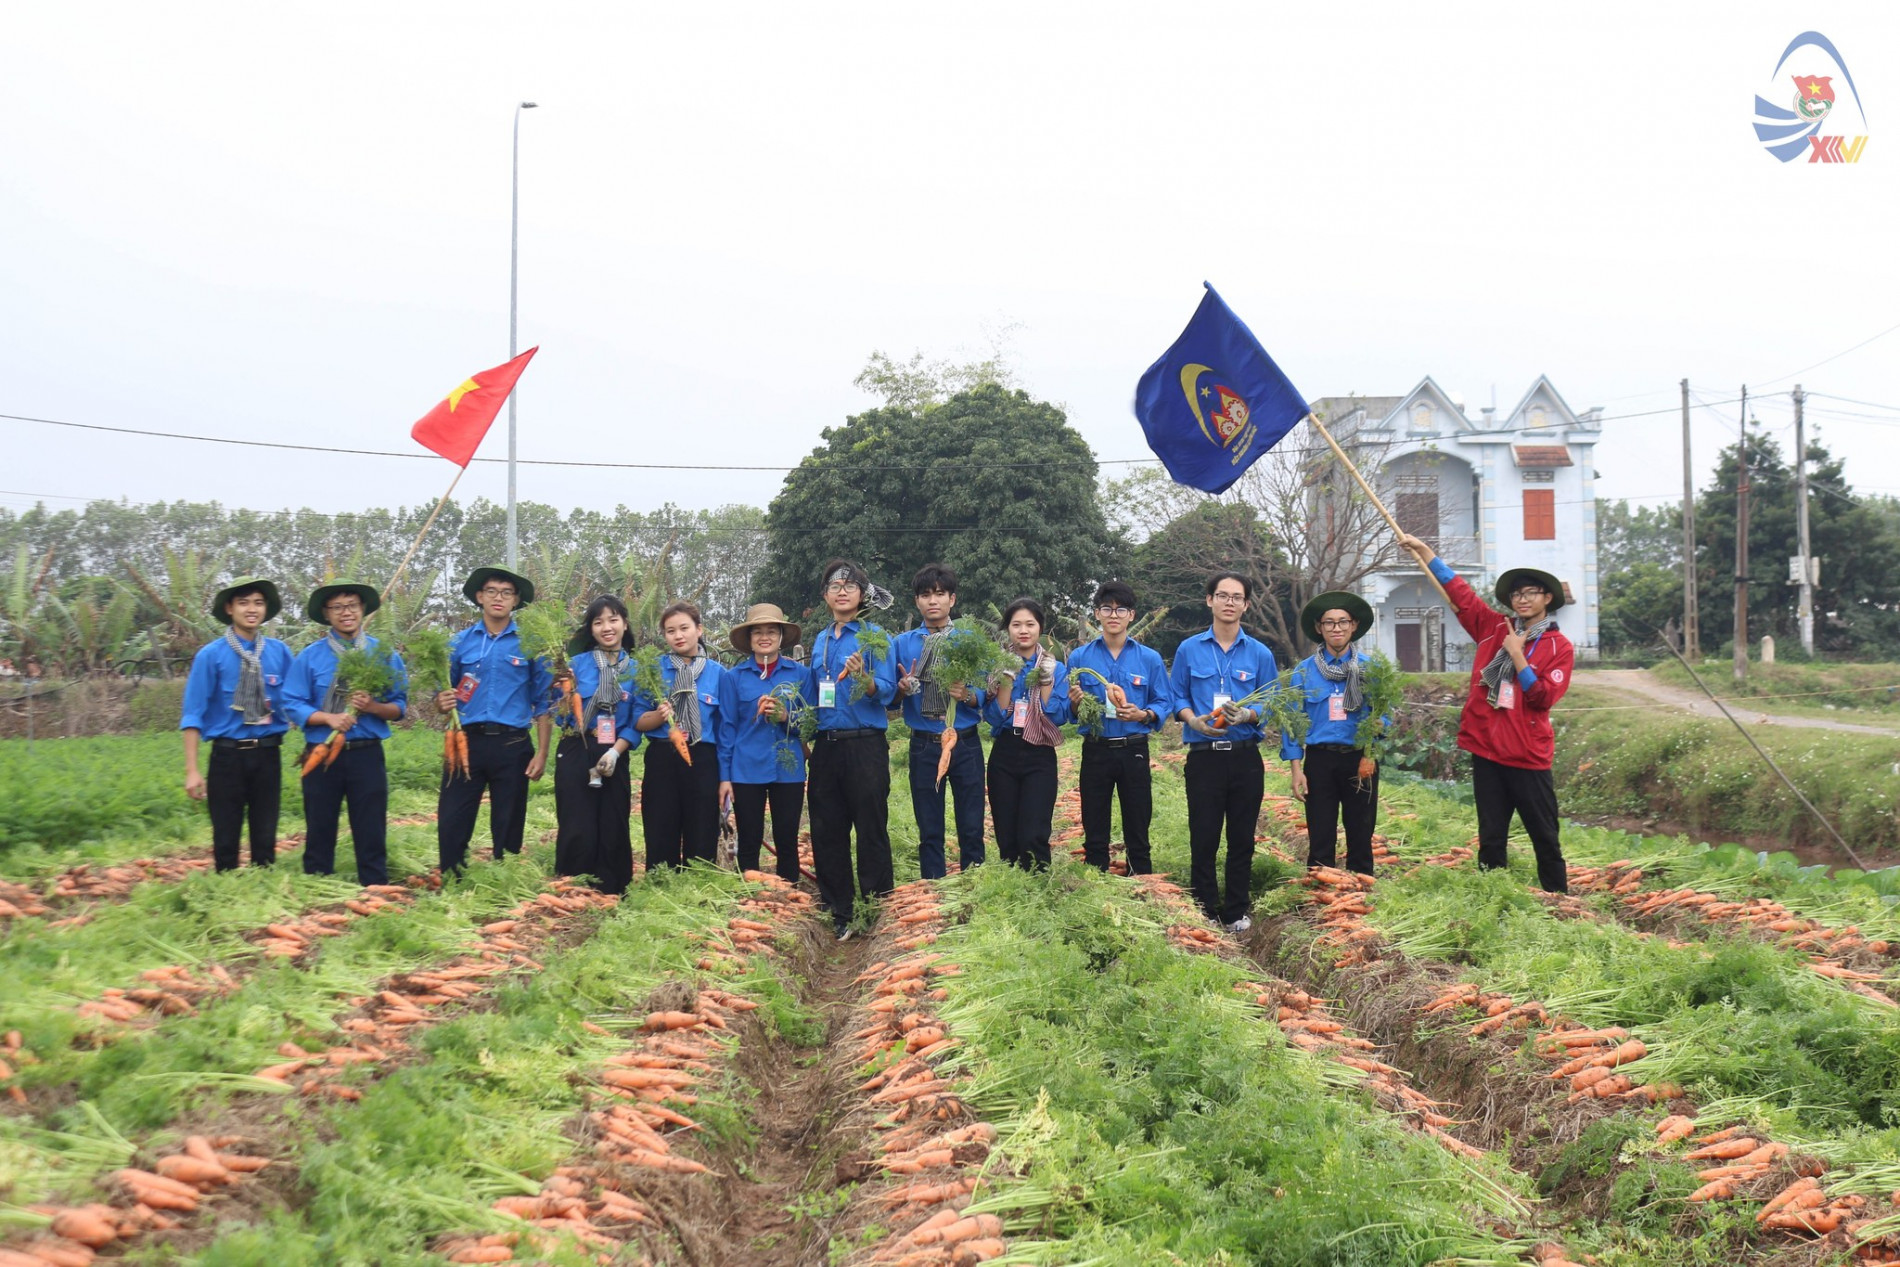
point(1241, 925)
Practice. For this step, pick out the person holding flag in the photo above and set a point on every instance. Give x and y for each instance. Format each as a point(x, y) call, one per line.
point(499, 692)
point(234, 698)
point(1115, 750)
point(1519, 670)
point(1216, 676)
point(321, 705)
point(1325, 767)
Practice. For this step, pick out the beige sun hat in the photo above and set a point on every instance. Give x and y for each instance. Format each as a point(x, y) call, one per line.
point(761, 614)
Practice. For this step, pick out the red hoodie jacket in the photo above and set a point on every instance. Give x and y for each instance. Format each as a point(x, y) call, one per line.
point(1518, 736)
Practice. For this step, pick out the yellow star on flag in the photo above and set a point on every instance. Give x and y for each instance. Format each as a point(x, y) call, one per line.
point(456, 393)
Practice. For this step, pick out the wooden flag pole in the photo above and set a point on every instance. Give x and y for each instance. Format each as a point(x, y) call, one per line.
point(1367, 488)
point(427, 524)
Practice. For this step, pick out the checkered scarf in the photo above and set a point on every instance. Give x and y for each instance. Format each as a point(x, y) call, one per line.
point(1493, 673)
point(249, 698)
point(333, 698)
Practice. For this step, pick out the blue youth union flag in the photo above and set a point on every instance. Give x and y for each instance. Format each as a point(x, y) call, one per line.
point(1215, 401)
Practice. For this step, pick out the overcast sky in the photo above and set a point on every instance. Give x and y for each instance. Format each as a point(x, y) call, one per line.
point(291, 222)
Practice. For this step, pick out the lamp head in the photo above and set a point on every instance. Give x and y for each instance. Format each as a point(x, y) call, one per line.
point(527, 105)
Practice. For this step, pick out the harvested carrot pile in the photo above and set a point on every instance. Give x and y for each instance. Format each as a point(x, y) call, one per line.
point(935, 1146)
point(13, 1057)
point(154, 1200)
point(407, 999)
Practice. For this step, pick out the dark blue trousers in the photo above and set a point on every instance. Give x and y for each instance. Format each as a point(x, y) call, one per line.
point(965, 782)
point(358, 776)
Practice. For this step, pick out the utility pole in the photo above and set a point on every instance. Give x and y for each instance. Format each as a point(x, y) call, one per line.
point(1691, 627)
point(1806, 610)
point(514, 276)
point(1741, 548)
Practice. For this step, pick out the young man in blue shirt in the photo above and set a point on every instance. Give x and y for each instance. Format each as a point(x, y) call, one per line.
point(1115, 752)
point(1325, 768)
point(935, 588)
point(1226, 776)
point(849, 784)
point(320, 705)
point(234, 698)
point(499, 691)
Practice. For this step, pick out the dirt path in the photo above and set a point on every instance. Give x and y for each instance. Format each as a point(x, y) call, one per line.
point(1641, 684)
point(780, 1200)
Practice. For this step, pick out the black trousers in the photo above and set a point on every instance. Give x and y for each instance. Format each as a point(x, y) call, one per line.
point(1022, 799)
point(1500, 791)
point(358, 776)
point(497, 765)
point(244, 784)
point(594, 836)
point(1223, 789)
point(679, 804)
point(748, 819)
point(1332, 793)
point(1106, 773)
point(849, 792)
point(965, 781)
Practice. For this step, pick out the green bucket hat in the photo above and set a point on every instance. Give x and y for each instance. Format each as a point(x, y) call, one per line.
point(324, 593)
point(272, 602)
point(1353, 605)
point(1519, 576)
point(524, 588)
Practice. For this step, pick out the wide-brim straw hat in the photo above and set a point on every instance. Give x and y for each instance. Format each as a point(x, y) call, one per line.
point(1518, 576)
point(524, 588)
point(740, 635)
point(273, 602)
point(321, 596)
point(1353, 605)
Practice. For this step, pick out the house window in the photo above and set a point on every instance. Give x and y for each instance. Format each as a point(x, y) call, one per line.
point(1540, 514)
point(1417, 513)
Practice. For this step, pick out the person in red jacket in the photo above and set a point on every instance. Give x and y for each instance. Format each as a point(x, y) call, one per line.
point(1520, 669)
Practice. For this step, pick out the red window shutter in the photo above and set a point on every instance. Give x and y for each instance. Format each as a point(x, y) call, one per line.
point(1540, 514)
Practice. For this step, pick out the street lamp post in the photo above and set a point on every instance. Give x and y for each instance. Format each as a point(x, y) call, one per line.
point(514, 270)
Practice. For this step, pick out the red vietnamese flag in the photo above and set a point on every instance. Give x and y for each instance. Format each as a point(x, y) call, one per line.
point(455, 427)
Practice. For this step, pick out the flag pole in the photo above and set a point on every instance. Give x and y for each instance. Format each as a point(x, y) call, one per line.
point(1367, 488)
point(427, 524)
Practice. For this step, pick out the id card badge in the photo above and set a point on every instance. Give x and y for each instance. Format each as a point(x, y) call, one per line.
point(604, 729)
point(1221, 699)
point(1019, 715)
point(1336, 708)
point(827, 693)
point(1507, 694)
point(465, 689)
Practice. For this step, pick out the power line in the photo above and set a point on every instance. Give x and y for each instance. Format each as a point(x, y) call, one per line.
point(1837, 356)
point(680, 466)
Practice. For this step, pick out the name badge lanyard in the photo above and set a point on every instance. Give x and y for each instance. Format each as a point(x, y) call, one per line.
point(1223, 665)
point(828, 685)
point(488, 648)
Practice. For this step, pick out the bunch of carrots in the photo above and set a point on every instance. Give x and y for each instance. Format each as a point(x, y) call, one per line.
point(428, 653)
point(966, 655)
point(175, 1186)
point(367, 669)
point(649, 682)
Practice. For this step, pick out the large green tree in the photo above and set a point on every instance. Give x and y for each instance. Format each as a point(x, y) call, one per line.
point(990, 481)
point(1639, 561)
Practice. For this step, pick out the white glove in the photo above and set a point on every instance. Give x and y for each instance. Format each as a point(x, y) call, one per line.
point(909, 685)
point(608, 760)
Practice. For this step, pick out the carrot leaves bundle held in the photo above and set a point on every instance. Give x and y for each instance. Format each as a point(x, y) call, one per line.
point(797, 720)
point(1382, 685)
point(366, 669)
point(1089, 713)
point(544, 637)
point(966, 655)
point(1283, 708)
point(873, 642)
point(428, 656)
point(649, 682)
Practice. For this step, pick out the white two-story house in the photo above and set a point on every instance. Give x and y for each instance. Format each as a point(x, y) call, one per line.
point(1516, 490)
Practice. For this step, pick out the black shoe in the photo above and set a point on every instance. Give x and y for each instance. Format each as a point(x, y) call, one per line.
point(842, 931)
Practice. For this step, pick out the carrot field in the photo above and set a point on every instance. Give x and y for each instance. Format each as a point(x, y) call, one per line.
point(1694, 1058)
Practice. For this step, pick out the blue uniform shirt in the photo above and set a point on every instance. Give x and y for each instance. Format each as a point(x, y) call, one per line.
point(710, 674)
point(309, 681)
point(214, 680)
point(511, 689)
point(587, 681)
point(1141, 675)
point(1316, 693)
point(1057, 708)
point(828, 654)
point(749, 745)
point(1202, 670)
point(905, 649)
